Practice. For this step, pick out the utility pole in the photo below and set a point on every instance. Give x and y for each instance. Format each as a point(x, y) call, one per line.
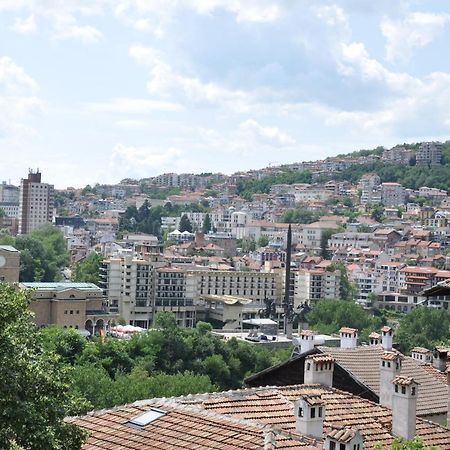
point(287, 285)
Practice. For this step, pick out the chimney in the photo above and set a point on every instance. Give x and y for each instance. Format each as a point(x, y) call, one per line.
point(404, 400)
point(306, 340)
point(448, 400)
point(440, 355)
point(349, 337)
point(390, 366)
point(309, 414)
point(319, 369)
point(386, 338)
point(343, 439)
point(374, 339)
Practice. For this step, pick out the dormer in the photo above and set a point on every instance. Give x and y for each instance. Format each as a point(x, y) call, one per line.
point(404, 401)
point(390, 367)
point(349, 337)
point(374, 339)
point(422, 355)
point(319, 369)
point(387, 334)
point(309, 415)
point(343, 439)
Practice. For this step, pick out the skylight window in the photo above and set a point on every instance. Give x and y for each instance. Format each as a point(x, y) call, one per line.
point(147, 417)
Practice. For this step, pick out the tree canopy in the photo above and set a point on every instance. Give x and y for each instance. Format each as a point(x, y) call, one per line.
point(34, 383)
point(185, 224)
point(88, 269)
point(43, 253)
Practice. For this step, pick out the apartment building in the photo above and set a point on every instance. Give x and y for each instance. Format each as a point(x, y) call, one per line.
point(369, 185)
point(398, 155)
point(316, 284)
point(392, 194)
point(414, 280)
point(36, 203)
point(349, 239)
point(429, 154)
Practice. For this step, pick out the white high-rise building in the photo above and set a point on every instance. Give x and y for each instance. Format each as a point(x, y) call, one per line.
point(36, 203)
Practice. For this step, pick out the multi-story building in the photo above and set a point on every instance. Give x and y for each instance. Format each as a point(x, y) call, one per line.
point(369, 185)
point(9, 193)
point(81, 306)
point(9, 264)
point(316, 284)
point(36, 203)
point(392, 194)
point(398, 155)
point(429, 154)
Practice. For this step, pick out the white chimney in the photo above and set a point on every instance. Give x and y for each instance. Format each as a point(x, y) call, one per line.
point(404, 400)
point(440, 357)
point(319, 369)
point(343, 439)
point(390, 366)
point(448, 396)
point(306, 340)
point(386, 338)
point(309, 414)
point(349, 337)
point(374, 339)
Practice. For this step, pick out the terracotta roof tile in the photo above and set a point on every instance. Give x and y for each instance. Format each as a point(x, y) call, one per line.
point(403, 381)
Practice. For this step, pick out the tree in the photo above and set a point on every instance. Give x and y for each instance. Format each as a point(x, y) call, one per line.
point(401, 444)
point(185, 224)
point(263, 241)
point(88, 270)
point(34, 383)
point(206, 227)
point(326, 235)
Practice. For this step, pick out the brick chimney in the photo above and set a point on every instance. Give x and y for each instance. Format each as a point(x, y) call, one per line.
point(404, 400)
point(440, 357)
point(390, 367)
point(309, 415)
point(343, 439)
point(349, 337)
point(319, 369)
point(387, 334)
point(374, 339)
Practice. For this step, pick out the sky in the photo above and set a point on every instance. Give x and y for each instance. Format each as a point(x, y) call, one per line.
point(102, 90)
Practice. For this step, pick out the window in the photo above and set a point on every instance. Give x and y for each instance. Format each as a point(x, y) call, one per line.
point(300, 412)
point(396, 388)
point(308, 365)
point(403, 390)
point(341, 446)
point(332, 445)
point(320, 411)
point(413, 390)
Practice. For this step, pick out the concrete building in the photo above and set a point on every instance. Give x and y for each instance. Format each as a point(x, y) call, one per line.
point(36, 203)
point(9, 264)
point(369, 186)
point(392, 194)
point(316, 284)
point(81, 306)
point(9, 193)
point(429, 154)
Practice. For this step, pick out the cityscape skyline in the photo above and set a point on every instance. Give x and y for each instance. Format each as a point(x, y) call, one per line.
point(104, 90)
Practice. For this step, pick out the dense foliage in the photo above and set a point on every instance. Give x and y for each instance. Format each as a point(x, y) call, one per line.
point(147, 219)
point(328, 316)
point(34, 383)
point(246, 188)
point(167, 361)
point(88, 269)
point(43, 253)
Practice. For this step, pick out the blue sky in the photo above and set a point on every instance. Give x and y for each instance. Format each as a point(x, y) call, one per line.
point(101, 90)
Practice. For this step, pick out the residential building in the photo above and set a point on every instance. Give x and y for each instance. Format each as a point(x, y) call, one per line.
point(392, 194)
point(398, 155)
point(316, 284)
point(369, 186)
point(9, 193)
point(36, 203)
point(9, 264)
point(429, 154)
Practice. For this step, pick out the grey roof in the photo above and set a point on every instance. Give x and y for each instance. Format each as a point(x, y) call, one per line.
point(59, 286)
point(8, 248)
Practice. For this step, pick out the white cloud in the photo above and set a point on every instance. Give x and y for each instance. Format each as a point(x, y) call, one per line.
point(167, 82)
point(126, 105)
point(415, 30)
point(26, 25)
point(67, 27)
point(251, 131)
point(13, 77)
point(143, 161)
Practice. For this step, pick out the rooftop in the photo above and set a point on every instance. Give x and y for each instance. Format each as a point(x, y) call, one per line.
point(59, 286)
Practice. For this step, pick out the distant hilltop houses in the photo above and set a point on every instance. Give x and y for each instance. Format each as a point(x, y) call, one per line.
point(213, 247)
